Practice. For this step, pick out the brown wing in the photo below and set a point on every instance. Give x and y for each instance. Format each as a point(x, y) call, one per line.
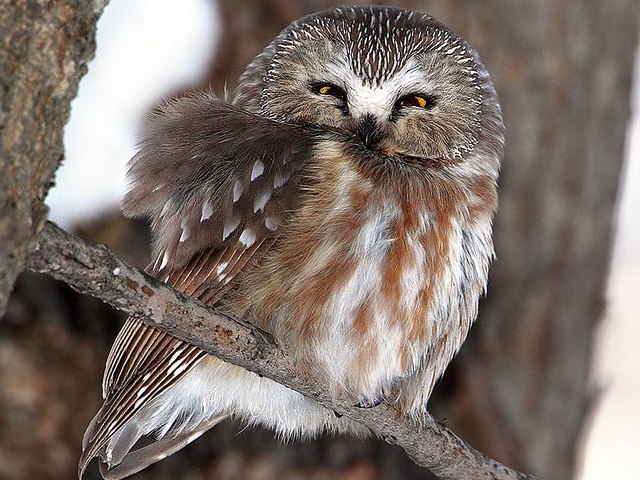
point(217, 182)
point(142, 349)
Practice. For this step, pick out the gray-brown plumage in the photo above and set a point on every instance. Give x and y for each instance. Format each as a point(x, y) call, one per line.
point(343, 202)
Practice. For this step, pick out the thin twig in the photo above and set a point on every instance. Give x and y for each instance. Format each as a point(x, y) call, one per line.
point(96, 271)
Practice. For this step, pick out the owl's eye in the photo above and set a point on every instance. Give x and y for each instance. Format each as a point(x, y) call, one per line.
point(328, 89)
point(421, 101)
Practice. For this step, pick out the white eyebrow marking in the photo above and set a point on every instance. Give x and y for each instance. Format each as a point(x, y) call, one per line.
point(261, 200)
point(248, 237)
point(258, 169)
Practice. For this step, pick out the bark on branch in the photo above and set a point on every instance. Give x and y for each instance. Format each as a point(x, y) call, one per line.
point(94, 270)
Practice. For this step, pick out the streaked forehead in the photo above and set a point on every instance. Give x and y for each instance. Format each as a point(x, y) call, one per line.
point(378, 42)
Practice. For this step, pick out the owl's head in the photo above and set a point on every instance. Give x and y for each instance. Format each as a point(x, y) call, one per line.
point(397, 81)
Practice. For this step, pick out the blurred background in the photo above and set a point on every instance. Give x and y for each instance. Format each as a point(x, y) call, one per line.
point(549, 379)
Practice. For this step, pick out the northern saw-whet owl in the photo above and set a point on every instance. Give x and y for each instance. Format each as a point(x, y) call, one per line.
point(342, 201)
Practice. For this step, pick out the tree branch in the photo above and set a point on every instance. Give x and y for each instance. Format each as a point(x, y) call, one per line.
point(94, 270)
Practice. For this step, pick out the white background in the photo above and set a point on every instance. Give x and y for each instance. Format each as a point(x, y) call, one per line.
point(148, 48)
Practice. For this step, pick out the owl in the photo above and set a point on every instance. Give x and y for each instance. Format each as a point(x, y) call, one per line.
point(343, 202)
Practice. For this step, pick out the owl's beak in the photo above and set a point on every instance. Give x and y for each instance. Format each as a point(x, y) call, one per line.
point(369, 131)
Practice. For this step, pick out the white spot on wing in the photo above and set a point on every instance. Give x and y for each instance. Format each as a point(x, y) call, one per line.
point(258, 169)
point(221, 267)
point(165, 260)
point(261, 200)
point(271, 223)
point(165, 209)
point(179, 370)
point(237, 189)
point(230, 226)
point(280, 179)
point(176, 355)
point(174, 367)
point(185, 234)
point(248, 237)
point(207, 211)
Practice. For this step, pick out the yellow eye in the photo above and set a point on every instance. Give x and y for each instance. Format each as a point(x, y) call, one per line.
point(417, 101)
point(325, 89)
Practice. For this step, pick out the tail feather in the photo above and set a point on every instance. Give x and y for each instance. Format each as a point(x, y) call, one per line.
point(123, 441)
point(133, 462)
point(167, 423)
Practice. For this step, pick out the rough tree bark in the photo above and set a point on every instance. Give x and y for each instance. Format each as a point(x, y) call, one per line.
point(44, 50)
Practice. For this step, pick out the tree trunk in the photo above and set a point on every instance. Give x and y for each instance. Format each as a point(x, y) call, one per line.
point(44, 51)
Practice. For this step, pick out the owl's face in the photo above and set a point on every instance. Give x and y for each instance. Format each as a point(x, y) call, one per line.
point(397, 81)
